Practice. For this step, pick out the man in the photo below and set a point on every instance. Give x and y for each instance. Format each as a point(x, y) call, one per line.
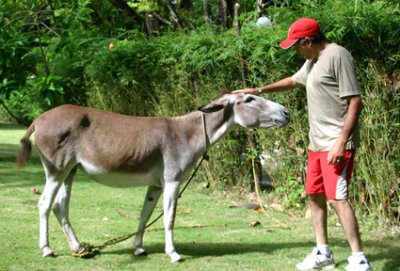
point(334, 105)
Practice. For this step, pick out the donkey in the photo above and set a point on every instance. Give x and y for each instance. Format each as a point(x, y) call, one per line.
point(125, 151)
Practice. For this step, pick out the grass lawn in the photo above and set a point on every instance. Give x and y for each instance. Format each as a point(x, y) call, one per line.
point(209, 234)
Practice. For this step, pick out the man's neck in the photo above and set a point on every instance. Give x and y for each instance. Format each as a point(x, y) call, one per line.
point(319, 47)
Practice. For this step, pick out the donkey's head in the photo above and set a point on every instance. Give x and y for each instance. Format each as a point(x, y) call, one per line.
point(250, 111)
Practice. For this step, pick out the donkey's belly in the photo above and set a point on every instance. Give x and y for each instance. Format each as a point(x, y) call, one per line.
point(121, 179)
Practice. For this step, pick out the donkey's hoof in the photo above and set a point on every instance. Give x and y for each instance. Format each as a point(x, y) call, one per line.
point(47, 252)
point(140, 252)
point(175, 258)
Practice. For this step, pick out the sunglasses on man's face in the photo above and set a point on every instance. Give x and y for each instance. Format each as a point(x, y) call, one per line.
point(301, 42)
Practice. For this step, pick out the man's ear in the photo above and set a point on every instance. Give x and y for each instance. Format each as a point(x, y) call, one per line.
point(308, 41)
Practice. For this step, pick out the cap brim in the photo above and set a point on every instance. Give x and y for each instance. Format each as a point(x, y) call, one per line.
point(287, 43)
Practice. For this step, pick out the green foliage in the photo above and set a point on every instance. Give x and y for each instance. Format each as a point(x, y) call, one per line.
point(378, 174)
point(121, 79)
point(144, 6)
point(34, 56)
point(90, 53)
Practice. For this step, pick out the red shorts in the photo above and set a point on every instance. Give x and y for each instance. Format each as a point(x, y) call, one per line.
point(333, 180)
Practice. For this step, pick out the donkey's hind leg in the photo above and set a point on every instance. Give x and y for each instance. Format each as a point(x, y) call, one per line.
point(150, 202)
point(61, 210)
point(54, 180)
point(45, 202)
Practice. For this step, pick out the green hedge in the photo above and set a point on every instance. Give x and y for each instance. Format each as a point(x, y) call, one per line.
point(176, 72)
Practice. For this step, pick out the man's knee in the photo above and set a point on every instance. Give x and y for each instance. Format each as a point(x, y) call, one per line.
point(340, 205)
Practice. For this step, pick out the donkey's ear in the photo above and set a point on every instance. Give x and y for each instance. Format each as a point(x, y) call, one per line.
point(210, 108)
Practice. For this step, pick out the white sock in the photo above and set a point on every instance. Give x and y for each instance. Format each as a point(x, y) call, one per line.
point(359, 254)
point(324, 249)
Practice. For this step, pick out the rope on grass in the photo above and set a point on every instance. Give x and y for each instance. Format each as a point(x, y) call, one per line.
point(260, 203)
point(88, 251)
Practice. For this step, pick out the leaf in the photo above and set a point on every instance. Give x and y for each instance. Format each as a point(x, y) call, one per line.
point(255, 223)
point(35, 191)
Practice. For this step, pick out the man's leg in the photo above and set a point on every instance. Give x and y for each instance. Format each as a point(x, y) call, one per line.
point(347, 218)
point(321, 256)
point(345, 212)
point(315, 188)
point(319, 217)
point(336, 180)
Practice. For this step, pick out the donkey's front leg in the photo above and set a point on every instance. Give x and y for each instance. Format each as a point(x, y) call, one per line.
point(170, 200)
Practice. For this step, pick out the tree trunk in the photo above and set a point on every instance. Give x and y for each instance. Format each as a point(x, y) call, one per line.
point(236, 24)
point(222, 16)
point(207, 13)
point(251, 137)
point(175, 18)
point(262, 5)
point(152, 25)
point(161, 19)
point(259, 7)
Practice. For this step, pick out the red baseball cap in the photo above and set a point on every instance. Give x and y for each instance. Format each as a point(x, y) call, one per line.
point(300, 29)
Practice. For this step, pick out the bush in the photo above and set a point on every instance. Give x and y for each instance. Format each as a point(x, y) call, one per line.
point(176, 72)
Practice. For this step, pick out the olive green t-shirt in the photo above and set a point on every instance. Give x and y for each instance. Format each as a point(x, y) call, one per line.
point(329, 80)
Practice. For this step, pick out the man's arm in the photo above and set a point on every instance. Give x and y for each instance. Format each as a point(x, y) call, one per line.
point(337, 152)
point(281, 85)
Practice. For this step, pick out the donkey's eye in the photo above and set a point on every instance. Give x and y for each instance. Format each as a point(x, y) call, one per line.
point(249, 99)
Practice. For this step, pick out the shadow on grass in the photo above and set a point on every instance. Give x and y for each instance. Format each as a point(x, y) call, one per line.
point(8, 153)
point(11, 176)
point(221, 249)
point(206, 249)
point(11, 126)
point(385, 249)
point(388, 248)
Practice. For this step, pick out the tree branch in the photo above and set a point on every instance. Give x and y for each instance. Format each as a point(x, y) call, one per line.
point(175, 17)
point(131, 12)
point(19, 120)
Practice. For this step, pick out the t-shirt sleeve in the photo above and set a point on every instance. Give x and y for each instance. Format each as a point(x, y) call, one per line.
point(345, 73)
point(300, 77)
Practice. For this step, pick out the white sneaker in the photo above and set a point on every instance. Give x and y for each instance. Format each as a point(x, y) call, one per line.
point(316, 260)
point(358, 264)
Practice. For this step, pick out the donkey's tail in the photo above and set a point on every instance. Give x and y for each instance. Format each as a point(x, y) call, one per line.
point(26, 147)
